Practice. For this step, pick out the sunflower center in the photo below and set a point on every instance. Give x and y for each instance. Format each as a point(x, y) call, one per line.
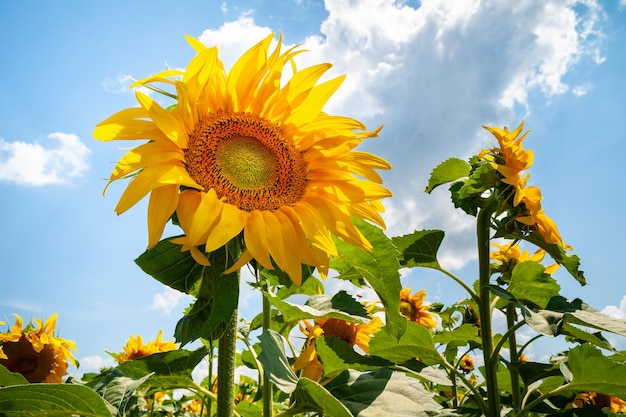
point(247, 160)
point(407, 309)
point(341, 329)
point(23, 359)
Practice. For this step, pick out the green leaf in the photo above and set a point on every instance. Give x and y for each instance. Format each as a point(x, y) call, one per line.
point(217, 299)
point(275, 361)
point(311, 396)
point(40, 400)
point(337, 356)
point(529, 282)
point(378, 267)
point(570, 262)
point(467, 195)
point(417, 342)
point(317, 306)
point(118, 390)
point(594, 372)
point(246, 409)
point(583, 336)
point(169, 265)
point(419, 248)
point(384, 393)
point(169, 368)
point(461, 335)
point(448, 171)
point(545, 322)
point(11, 378)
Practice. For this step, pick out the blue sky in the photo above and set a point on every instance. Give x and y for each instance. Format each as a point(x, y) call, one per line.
point(433, 72)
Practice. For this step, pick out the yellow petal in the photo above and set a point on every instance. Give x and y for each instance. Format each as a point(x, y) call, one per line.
point(245, 257)
point(165, 121)
point(231, 221)
point(256, 239)
point(163, 202)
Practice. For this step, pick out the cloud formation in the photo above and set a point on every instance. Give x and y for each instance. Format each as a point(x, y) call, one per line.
point(58, 159)
point(167, 300)
point(615, 311)
point(433, 74)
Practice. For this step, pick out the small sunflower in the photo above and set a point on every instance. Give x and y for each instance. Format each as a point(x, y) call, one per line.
point(413, 308)
point(510, 159)
point(135, 348)
point(241, 153)
point(35, 352)
point(510, 254)
point(354, 334)
point(466, 364)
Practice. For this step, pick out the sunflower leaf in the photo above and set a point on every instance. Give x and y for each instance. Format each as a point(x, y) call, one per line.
point(311, 396)
point(11, 378)
point(275, 361)
point(384, 393)
point(419, 248)
point(317, 306)
point(529, 282)
point(594, 372)
point(338, 356)
point(449, 170)
point(417, 342)
point(43, 400)
point(170, 266)
point(378, 267)
point(118, 390)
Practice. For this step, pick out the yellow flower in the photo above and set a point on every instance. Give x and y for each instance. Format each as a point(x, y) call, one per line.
point(414, 309)
point(195, 406)
point(510, 159)
point(241, 153)
point(135, 348)
point(601, 401)
point(351, 333)
point(467, 364)
point(510, 255)
point(35, 352)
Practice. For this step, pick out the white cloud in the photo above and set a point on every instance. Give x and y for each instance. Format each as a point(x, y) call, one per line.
point(56, 160)
point(95, 363)
point(433, 75)
point(615, 311)
point(167, 300)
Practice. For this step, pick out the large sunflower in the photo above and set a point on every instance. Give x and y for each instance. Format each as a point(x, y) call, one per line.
point(242, 152)
point(35, 352)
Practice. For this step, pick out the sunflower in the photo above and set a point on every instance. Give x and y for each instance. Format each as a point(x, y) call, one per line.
point(510, 254)
point(413, 308)
point(354, 334)
point(510, 159)
point(466, 364)
point(135, 348)
point(615, 404)
point(240, 153)
point(35, 352)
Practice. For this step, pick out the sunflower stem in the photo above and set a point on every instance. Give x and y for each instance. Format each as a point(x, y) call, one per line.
point(267, 321)
point(226, 359)
point(483, 228)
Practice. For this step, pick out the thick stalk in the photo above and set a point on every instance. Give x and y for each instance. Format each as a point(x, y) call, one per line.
point(511, 315)
point(267, 385)
point(483, 228)
point(227, 351)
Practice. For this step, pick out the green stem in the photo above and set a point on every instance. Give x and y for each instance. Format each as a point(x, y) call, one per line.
point(511, 315)
point(267, 385)
point(462, 284)
point(227, 351)
point(541, 399)
point(483, 228)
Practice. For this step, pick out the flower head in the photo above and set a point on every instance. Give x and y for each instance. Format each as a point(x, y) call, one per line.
point(510, 254)
point(135, 348)
point(412, 306)
point(242, 154)
point(35, 352)
point(510, 160)
point(466, 364)
point(354, 334)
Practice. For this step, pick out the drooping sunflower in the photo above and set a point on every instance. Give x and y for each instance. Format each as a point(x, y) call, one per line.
point(511, 161)
point(354, 334)
point(413, 308)
point(244, 153)
point(136, 348)
point(35, 352)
